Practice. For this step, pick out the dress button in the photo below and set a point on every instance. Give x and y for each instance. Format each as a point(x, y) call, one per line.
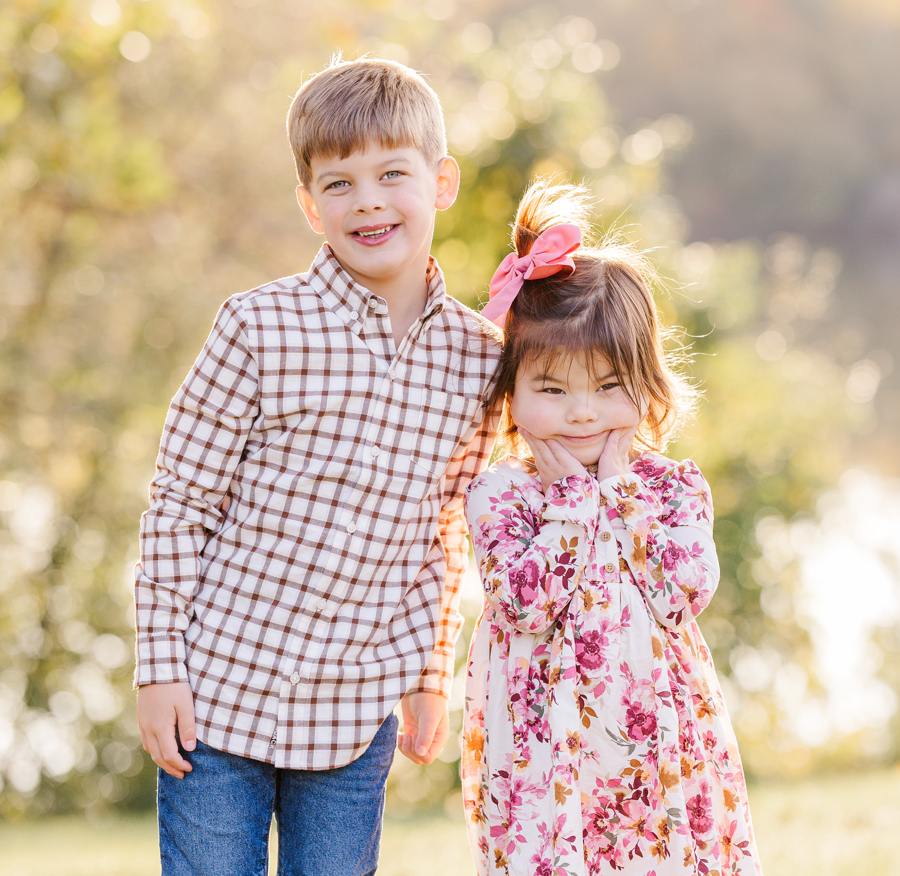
point(295, 678)
point(351, 528)
point(609, 568)
point(605, 536)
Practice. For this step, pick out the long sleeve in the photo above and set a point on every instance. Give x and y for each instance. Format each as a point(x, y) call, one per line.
point(662, 519)
point(531, 559)
point(203, 440)
point(451, 547)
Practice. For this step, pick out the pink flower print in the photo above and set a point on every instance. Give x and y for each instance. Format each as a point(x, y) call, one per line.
point(589, 650)
point(524, 582)
point(645, 467)
point(635, 825)
point(641, 723)
point(698, 812)
point(596, 829)
point(542, 866)
point(673, 555)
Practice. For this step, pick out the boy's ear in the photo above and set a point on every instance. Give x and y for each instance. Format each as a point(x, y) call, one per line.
point(447, 183)
point(309, 208)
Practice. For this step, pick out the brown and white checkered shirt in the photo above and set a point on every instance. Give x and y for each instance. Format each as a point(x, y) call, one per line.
point(302, 554)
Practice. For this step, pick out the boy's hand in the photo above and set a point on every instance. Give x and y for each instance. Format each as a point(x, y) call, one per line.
point(426, 726)
point(553, 461)
point(160, 709)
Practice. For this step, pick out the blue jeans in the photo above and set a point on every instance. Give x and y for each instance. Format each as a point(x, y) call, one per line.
point(215, 821)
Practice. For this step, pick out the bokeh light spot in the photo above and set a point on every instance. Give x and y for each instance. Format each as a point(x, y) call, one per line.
point(106, 12)
point(135, 46)
point(44, 38)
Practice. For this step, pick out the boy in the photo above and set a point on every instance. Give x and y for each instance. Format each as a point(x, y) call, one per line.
point(301, 557)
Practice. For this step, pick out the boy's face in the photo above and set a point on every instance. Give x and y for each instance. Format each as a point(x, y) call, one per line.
point(376, 209)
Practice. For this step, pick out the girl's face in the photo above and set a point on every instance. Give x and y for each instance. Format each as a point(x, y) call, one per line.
point(563, 401)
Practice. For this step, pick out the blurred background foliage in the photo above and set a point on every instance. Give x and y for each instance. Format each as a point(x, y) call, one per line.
point(752, 145)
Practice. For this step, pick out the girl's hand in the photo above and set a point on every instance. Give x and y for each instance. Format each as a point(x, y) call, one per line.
point(553, 461)
point(616, 456)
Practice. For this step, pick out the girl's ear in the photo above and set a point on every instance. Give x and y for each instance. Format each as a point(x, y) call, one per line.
point(447, 183)
point(310, 210)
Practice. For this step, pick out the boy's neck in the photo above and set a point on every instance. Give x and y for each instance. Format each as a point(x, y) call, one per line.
point(404, 308)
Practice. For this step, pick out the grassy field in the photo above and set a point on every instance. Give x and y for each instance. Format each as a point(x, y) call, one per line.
point(835, 826)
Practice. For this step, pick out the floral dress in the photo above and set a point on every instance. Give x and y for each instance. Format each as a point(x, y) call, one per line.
point(595, 738)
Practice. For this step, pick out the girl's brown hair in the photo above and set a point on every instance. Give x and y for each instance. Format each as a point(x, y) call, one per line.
point(605, 307)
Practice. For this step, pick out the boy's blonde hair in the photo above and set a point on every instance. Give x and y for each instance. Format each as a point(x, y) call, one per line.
point(351, 104)
point(604, 308)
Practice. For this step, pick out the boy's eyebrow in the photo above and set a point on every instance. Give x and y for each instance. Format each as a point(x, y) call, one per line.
point(327, 174)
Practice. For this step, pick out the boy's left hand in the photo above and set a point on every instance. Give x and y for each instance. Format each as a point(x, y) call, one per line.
point(426, 726)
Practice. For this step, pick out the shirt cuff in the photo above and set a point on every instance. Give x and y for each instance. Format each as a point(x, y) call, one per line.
point(437, 676)
point(572, 499)
point(630, 497)
point(159, 660)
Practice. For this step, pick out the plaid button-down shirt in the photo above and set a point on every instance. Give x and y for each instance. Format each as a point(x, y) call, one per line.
point(302, 554)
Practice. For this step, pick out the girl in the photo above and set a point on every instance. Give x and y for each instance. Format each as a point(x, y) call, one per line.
point(595, 737)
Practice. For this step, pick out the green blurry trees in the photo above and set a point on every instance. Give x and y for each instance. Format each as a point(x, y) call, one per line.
point(146, 177)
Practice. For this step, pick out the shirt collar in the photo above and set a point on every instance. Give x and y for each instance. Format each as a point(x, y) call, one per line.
point(327, 276)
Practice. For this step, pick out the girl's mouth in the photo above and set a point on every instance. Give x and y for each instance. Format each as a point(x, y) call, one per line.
point(582, 439)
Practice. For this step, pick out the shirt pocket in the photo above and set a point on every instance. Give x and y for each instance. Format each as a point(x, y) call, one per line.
point(438, 422)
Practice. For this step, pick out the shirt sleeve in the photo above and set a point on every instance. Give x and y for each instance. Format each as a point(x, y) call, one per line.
point(451, 551)
point(202, 444)
point(531, 560)
point(664, 527)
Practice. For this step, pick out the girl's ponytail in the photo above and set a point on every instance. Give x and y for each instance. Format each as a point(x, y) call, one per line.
point(544, 205)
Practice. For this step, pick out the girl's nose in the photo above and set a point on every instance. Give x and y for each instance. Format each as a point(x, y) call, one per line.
point(584, 409)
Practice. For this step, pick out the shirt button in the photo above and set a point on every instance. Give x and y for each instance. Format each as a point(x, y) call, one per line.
point(373, 303)
point(295, 678)
point(605, 536)
point(355, 314)
point(609, 568)
point(374, 450)
point(351, 528)
point(322, 604)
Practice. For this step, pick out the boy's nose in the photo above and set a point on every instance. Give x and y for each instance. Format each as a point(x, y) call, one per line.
point(368, 199)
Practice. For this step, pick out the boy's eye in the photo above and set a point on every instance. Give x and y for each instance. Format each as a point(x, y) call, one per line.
point(393, 174)
point(338, 184)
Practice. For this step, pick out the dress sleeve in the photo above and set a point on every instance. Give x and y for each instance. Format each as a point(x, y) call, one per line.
point(663, 521)
point(204, 438)
point(531, 557)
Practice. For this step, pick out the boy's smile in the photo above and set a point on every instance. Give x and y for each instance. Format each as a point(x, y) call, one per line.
point(376, 209)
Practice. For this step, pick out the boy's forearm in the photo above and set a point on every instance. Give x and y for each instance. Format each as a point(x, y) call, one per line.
point(205, 432)
point(470, 460)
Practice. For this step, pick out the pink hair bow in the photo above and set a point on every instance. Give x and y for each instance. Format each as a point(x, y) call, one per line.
point(549, 255)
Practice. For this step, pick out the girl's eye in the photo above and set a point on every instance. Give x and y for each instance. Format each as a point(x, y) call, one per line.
point(552, 390)
point(608, 386)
